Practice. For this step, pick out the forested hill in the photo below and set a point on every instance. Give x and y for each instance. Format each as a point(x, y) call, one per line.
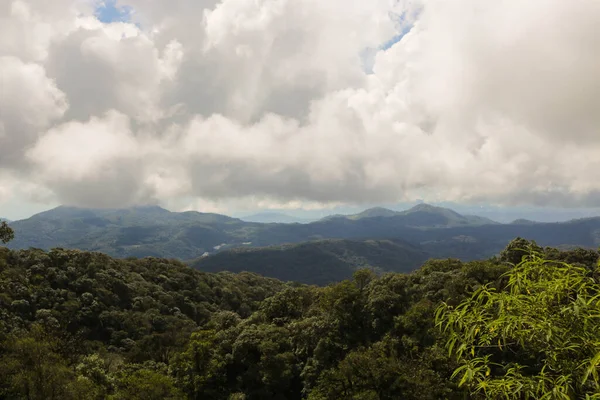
point(67, 315)
point(79, 325)
point(153, 231)
point(318, 262)
point(422, 215)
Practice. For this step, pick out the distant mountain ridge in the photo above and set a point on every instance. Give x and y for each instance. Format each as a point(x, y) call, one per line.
point(374, 212)
point(522, 221)
point(137, 231)
point(421, 215)
point(274, 218)
point(154, 231)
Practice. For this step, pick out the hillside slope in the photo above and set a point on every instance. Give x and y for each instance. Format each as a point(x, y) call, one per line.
point(317, 262)
point(133, 232)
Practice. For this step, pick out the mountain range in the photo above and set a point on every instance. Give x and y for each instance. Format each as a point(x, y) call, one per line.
point(153, 231)
point(421, 215)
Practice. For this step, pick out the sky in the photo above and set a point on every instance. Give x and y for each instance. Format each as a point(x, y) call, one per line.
point(234, 106)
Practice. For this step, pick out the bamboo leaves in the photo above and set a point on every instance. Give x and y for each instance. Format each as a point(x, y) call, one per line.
point(537, 339)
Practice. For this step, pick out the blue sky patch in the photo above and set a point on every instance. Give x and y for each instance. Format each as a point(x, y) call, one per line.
point(109, 11)
point(405, 23)
point(367, 56)
point(393, 40)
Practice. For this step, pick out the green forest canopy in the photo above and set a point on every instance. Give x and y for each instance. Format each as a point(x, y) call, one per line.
point(83, 325)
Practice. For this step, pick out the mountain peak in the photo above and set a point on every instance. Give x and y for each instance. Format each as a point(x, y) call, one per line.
point(424, 207)
point(428, 208)
point(378, 210)
point(374, 212)
point(523, 221)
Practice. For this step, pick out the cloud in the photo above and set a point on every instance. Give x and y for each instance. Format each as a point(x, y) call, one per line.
point(29, 103)
point(114, 67)
point(268, 103)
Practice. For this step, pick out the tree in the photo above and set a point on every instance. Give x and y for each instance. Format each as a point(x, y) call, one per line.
point(145, 384)
point(517, 249)
point(538, 339)
point(197, 370)
point(380, 372)
point(32, 369)
point(6, 233)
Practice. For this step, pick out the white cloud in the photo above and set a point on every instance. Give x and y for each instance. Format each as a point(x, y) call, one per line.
point(97, 162)
point(103, 67)
point(29, 26)
point(266, 103)
point(29, 103)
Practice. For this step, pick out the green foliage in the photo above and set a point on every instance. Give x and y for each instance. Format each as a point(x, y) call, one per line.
point(146, 384)
point(79, 325)
point(536, 339)
point(517, 249)
point(381, 372)
point(72, 322)
point(369, 338)
point(32, 367)
point(6, 232)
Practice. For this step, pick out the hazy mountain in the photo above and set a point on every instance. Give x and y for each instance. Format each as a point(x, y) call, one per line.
point(154, 231)
point(421, 215)
point(137, 231)
point(425, 215)
point(274, 217)
point(134, 216)
point(317, 262)
point(332, 216)
point(373, 213)
point(522, 221)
